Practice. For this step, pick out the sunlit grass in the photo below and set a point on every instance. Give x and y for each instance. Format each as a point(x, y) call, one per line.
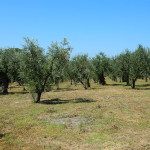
point(103, 117)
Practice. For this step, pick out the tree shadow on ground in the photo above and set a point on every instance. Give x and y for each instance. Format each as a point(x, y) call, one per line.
point(141, 89)
point(64, 89)
point(115, 84)
point(59, 101)
point(95, 88)
point(143, 85)
point(67, 89)
point(2, 135)
point(12, 93)
point(136, 88)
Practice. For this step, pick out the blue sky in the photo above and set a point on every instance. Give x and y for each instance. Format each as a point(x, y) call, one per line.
point(91, 26)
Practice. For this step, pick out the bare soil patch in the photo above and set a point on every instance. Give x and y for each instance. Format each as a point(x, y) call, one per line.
point(70, 122)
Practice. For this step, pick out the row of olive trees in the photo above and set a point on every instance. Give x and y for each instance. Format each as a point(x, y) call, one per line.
point(129, 66)
point(38, 69)
point(33, 67)
point(82, 69)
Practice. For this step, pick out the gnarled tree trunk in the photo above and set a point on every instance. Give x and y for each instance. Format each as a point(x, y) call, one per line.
point(38, 97)
point(146, 78)
point(102, 79)
point(88, 82)
point(84, 85)
point(5, 82)
point(70, 81)
point(127, 82)
point(133, 84)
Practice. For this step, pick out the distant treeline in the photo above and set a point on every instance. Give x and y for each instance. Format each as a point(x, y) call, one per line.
point(37, 69)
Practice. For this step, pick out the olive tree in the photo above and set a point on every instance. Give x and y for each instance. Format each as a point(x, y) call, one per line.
point(40, 69)
point(101, 67)
point(81, 70)
point(139, 64)
point(123, 66)
point(145, 63)
point(113, 68)
point(69, 71)
point(61, 53)
point(9, 67)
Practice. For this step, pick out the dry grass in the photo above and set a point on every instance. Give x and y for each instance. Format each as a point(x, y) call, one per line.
point(113, 117)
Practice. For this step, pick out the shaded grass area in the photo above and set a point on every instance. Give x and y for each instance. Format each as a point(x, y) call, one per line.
point(102, 117)
point(59, 101)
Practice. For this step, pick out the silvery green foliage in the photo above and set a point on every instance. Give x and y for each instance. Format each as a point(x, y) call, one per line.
point(9, 67)
point(120, 66)
point(81, 69)
point(10, 62)
point(40, 69)
point(113, 70)
point(60, 53)
point(101, 67)
point(139, 63)
point(34, 65)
